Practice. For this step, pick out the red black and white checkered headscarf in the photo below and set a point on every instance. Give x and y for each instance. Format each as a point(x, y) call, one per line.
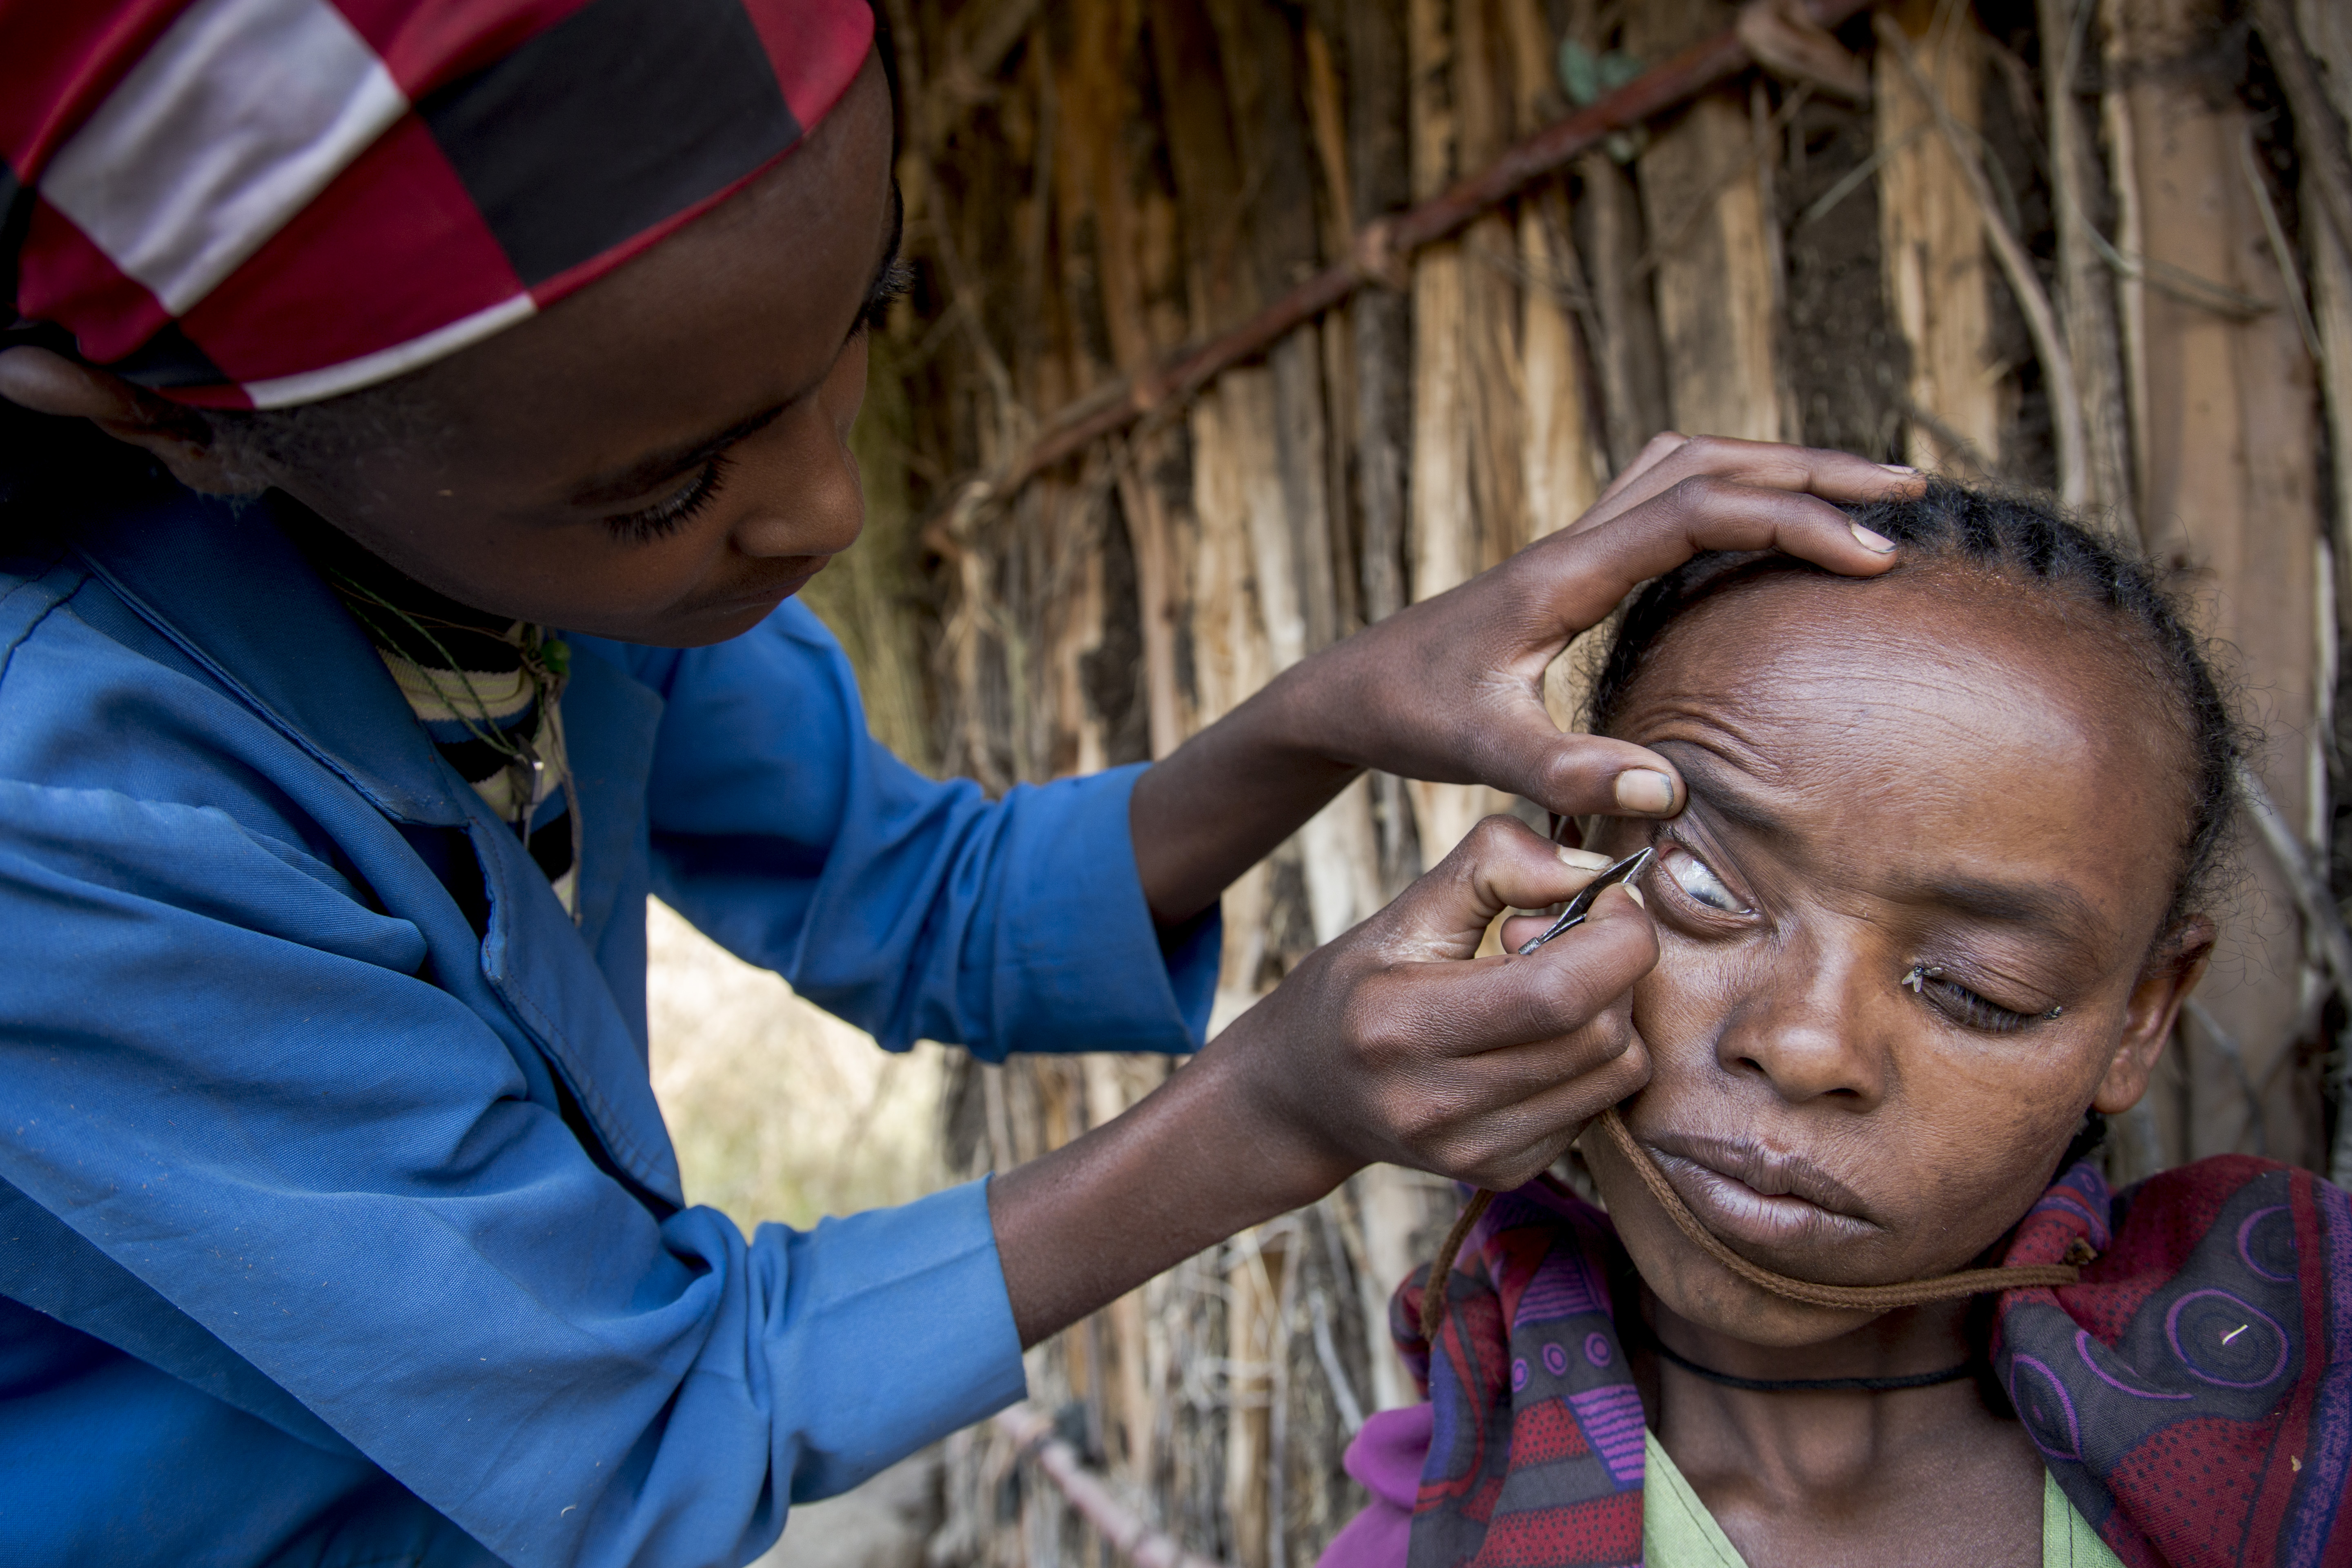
point(260, 202)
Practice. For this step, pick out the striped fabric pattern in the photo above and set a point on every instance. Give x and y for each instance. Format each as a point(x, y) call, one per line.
point(262, 203)
point(468, 679)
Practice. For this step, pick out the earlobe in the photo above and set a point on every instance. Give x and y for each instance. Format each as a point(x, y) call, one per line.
point(180, 439)
point(2172, 972)
point(48, 383)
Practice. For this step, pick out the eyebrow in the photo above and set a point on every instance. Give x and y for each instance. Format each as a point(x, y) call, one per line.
point(2056, 911)
point(639, 476)
point(2059, 910)
point(1702, 776)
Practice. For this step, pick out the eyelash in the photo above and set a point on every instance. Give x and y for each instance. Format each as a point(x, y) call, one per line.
point(1964, 1006)
point(665, 518)
point(897, 280)
point(1668, 850)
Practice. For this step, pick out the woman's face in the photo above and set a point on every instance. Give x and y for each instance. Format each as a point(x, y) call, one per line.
point(1927, 814)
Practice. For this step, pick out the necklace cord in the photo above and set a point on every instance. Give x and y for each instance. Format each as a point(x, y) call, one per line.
point(1813, 1385)
point(1846, 1298)
point(542, 661)
point(1441, 1268)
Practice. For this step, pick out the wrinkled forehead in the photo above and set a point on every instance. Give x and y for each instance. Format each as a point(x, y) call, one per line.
point(1947, 704)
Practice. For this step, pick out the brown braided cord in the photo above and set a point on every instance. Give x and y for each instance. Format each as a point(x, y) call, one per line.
point(1441, 1269)
point(1846, 1298)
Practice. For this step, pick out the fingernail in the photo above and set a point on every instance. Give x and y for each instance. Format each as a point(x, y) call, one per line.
point(1582, 859)
point(1636, 894)
point(1902, 470)
point(1645, 789)
point(1870, 541)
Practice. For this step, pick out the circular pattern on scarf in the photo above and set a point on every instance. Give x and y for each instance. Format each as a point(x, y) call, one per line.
point(1596, 1349)
point(2087, 1349)
point(1555, 1361)
point(2266, 1241)
point(1518, 1373)
point(2225, 1341)
point(2042, 1405)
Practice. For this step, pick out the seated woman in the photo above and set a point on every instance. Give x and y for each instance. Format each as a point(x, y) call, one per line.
point(1925, 921)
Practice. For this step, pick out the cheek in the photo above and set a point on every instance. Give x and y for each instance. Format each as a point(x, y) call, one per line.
point(1683, 1004)
point(1977, 1133)
point(845, 387)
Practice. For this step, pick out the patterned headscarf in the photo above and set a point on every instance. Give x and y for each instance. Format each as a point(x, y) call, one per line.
point(260, 202)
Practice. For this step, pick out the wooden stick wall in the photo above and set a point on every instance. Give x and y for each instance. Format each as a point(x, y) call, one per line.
point(2066, 244)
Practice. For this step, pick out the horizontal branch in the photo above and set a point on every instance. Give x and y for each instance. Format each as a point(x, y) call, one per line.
point(1032, 1433)
point(1379, 252)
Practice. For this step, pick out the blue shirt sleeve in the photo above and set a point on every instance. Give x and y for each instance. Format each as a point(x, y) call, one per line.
point(915, 909)
point(250, 1059)
point(234, 1081)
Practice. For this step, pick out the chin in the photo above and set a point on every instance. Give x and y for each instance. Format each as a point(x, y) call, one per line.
point(723, 625)
point(693, 626)
point(1699, 1290)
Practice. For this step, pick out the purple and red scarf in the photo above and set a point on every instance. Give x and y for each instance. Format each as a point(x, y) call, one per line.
point(2192, 1395)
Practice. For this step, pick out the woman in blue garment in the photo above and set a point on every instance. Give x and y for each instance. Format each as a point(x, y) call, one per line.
point(355, 344)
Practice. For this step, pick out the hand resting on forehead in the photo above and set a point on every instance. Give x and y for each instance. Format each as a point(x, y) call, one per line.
point(1925, 921)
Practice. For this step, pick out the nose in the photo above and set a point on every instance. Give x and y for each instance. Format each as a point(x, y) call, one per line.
point(1807, 1028)
point(808, 497)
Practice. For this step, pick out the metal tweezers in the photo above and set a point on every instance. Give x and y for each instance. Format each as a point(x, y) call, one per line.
point(1581, 906)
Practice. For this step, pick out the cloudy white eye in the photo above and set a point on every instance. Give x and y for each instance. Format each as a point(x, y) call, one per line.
point(1692, 875)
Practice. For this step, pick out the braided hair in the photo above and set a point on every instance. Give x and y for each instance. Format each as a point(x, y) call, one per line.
point(2040, 553)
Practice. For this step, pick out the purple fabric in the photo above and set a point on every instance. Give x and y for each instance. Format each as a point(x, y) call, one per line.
point(1387, 1456)
point(2189, 1395)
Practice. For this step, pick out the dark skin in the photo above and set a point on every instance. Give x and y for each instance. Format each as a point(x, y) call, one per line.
point(663, 457)
point(1997, 793)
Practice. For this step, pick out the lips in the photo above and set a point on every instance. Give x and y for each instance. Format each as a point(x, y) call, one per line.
point(1745, 1193)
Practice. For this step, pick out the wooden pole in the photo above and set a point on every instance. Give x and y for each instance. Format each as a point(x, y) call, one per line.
point(1712, 246)
point(2230, 499)
point(2087, 290)
point(2032, 300)
point(1381, 247)
point(1932, 246)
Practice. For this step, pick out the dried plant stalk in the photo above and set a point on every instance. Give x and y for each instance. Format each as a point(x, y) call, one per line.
point(1933, 243)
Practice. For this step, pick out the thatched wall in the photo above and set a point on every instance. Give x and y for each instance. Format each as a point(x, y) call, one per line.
point(2082, 245)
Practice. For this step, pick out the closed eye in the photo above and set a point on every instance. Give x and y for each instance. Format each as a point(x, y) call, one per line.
point(1964, 1006)
point(665, 518)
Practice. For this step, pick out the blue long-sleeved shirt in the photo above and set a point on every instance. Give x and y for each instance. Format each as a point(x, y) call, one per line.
point(338, 1223)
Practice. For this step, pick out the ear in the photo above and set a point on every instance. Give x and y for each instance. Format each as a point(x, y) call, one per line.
point(181, 439)
point(2172, 972)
